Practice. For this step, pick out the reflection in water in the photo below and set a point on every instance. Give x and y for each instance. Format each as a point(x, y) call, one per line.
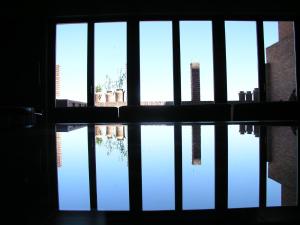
point(198, 168)
point(282, 166)
point(157, 146)
point(111, 176)
point(112, 167)
point(243, 168)
point(73, 173)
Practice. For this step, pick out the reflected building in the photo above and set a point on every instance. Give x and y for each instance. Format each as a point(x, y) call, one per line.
point(282, 156)
point(58, 150)
point(249, 129)
point(196, 145)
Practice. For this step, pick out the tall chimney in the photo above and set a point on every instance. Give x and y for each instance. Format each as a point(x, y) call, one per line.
point(195, 82)
point(196, 145)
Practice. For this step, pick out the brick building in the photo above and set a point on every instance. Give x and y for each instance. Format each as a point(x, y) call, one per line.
point(281, 65)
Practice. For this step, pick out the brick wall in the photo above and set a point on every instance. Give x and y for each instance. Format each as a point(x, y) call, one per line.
point(281, 70)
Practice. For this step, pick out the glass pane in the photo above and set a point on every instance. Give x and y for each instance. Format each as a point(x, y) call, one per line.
point(280, 61)
point(157, 145)
point(71, 65)
point(112, 167)
point(243, 167)
point(282, 175)
point(198, 167)
point(110, 64)
point(156, 63)
point(241, 56)
point(196, 61)
point(72, 167)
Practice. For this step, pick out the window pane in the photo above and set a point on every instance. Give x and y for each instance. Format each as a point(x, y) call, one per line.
point(243, 167)
point(71, 65)
point(72, 168)
point(241, 56)
point(156, 63)
point(157, 145)
point(198, 167)
point(280, 61)
point(196, 61)
point(112, 167)
point(110, 64)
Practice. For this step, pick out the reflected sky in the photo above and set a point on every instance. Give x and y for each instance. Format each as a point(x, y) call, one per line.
point(198, 177)
point(73, 173)
point(157, 145)
point(158, 167)
point(243, 169)
point(112, 169)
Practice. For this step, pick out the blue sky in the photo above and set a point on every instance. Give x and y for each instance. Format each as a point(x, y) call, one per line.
point(156, 57)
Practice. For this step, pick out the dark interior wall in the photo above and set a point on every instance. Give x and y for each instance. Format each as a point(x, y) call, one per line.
point(22, 46)
point(24, 34)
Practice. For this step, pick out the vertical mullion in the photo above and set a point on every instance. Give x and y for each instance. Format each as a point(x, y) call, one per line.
point(90, 64)
point(219, 55)
point(178, 166)
point(50, 96)
point(262, 166)
point(297, 50)
point(176, 63)
point(52, 167)
point(92, 167)
point(133, 63)
point(221, 166)
point(135, 168)
point(261, 61)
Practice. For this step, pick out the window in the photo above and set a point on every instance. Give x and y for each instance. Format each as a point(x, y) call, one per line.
point(156, 63)
point(71, 65)
point(110, 64)
point(280, 61)
point(196, 62)
point(242, 64)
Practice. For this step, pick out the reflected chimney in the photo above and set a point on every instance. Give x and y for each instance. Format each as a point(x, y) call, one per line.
point(242, 128)
point(249, 129)
point(196, 145)
point(58, 150)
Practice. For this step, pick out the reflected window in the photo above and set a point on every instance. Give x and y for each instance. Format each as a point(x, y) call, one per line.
point(112, 167)
point(157, 145)
point(156, 63)
point(241, 57)
point(71, 65)
point(198, 167)
point(243, 167)
point(110, 64)
point(196, 61)
point(72, 167)
point(280, 61)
